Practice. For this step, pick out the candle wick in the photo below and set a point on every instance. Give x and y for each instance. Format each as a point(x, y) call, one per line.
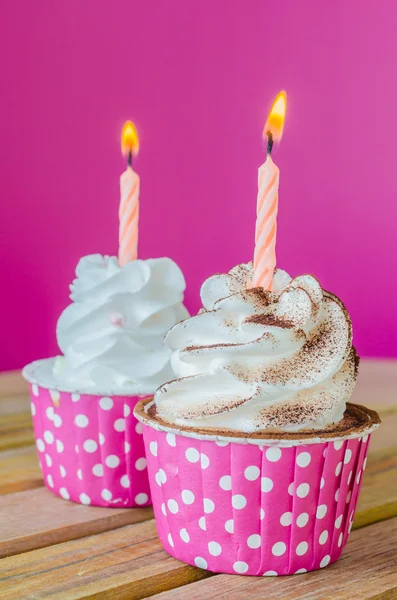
point(269, 142)
point(130, 158)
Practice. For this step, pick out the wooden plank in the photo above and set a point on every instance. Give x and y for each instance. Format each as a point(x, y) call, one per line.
point(16, 431)
point(38, 518)
point(12, 384)
point(377, 384)
point(366, 571)
point(125, 564)
point(19, 470)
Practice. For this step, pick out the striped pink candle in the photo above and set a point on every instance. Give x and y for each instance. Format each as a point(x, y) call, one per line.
point(129, 198)
point(267, 201)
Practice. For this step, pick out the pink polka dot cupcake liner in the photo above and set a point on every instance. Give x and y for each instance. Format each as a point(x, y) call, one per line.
point(230, 506)
point(90, 447)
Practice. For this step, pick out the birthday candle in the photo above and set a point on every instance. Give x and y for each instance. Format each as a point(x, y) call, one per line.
point(129, 198)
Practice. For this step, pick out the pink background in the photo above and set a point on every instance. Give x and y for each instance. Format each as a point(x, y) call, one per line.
point(198, 79)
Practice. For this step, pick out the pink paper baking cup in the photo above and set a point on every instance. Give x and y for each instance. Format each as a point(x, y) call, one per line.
point(90, 447)
point(253, 508)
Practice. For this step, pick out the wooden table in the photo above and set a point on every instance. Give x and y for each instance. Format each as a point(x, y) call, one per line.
point(52, 548)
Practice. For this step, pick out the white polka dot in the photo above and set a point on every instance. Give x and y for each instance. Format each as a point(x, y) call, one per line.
point(64, 493)
point(162, 475)
point(302, 519)
point(239, 501)
point(201, 563)
point(48, 437)
point(101, 439)
point(158, 478)
point(349, 495)
point(209, 506)
point(185, 537)
point(338, 521)
point(303, 459)
point(204, 461)
point(81, 421)
point(138, 428)
point(76, 449)
point(35, 389)
point(153, 447)
point(112, 461)
point(262, 514)
point(364, 439)
point(202, 523)
point(187, 497)
point(75, 397)
point(140, 498)
point(252, 473)
point(62, 471)
point(338, 444)
point(214, 548)
point(127, 447)
point(240, 567)
point(254, 541)
point(126, 410)
point(270, 574)
point(80, 474)
point(302, 548)
point(350, 527)
point(300, 571)
point(192, 455)
point(106, 495)
point(325, 561)
point(40, 445)
point(33, 409)
point(225, 482)
point(106, 403)
point(48, 460)
point(322, 483)
point(279, 549)
point(57, 421)
point(55, 396)
point(349, 477)
point(163, 509)
point(323, 537)
point(338, 469)
point(170, 540)
point(90, 446)
point(125, 481)
point(119, 425)
point(340, 540)
point(59, 446)
point(358, 477)
point(321, 511)
point(365, 464)
point(273, 454)
point(50, 412)
point(286, 519)
point(173, 506)
point(291, 489)
point(229, 526)
point(221, 443)
point(140, 464)
point(171, 439)
point(302, 490)
point(266, 484)
point(50, 481)
point(337, 495)
point(348, 455)
point(98, 470)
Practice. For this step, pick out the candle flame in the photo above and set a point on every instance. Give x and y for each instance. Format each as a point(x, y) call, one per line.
point(129, 139)
point(275, 120)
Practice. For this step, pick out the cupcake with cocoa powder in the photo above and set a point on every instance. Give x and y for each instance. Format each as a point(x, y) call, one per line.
point(255, 455)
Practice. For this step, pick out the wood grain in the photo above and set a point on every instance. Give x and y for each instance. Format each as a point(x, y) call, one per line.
point(366, 571)
point(125, 564)
point(16, 431)
point(38, 518)
point(19, 470)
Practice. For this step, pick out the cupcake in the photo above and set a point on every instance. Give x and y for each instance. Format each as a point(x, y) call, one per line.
point(255, 456)
point(89, 443)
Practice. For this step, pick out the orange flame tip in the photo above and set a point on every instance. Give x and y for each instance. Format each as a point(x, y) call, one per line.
point(129, 139)
point(275, 120)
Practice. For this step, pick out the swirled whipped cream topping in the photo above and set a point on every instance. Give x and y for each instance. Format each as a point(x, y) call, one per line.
point(112, 335)
point(255, 359)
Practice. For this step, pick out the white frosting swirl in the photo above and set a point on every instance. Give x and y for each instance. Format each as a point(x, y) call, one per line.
point(253, 360)
point(112, 336)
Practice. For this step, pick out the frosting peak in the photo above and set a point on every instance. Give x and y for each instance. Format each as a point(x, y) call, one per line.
point(112, 334)
point(254, 359)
